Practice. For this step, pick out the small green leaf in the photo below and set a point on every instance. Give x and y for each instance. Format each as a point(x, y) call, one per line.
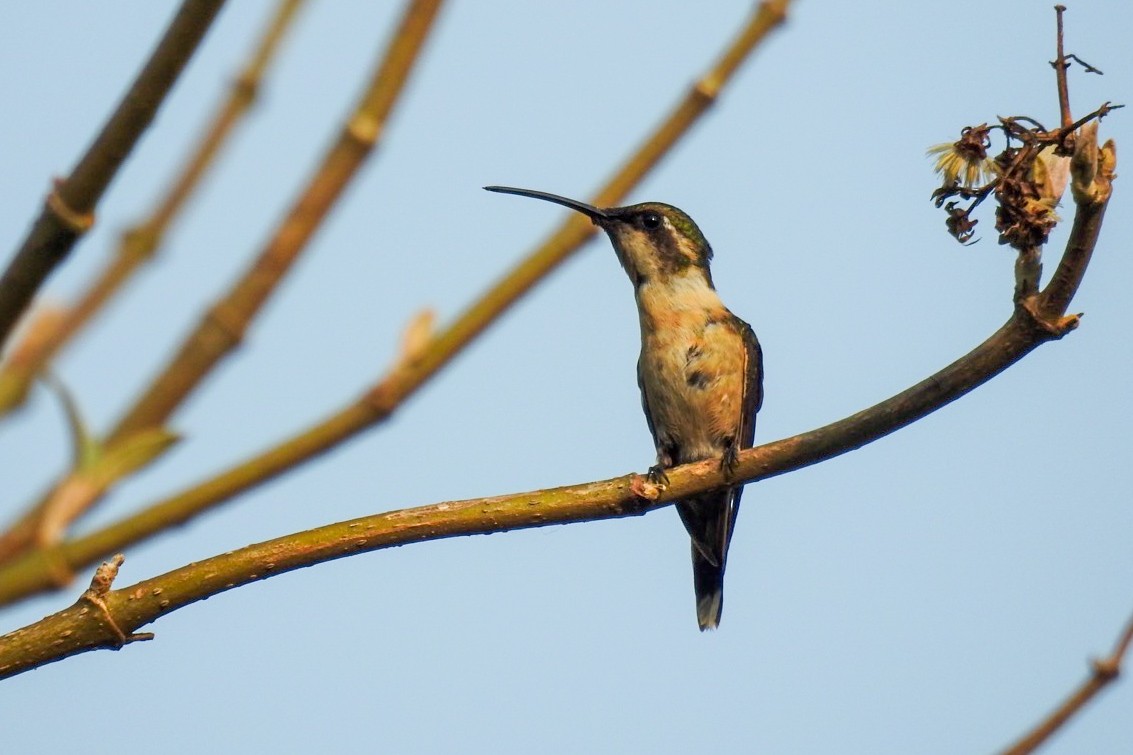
point(85, 448)
point(128, 456)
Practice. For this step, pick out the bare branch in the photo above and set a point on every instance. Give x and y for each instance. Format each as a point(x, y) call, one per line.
point(1102, 673)
point(1060, 65)
point(223, 325)
point(69, 210)
point(139, 243)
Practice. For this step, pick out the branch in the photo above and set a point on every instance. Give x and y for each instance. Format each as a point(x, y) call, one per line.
point(1059, 64)
point(135, 606)
point(69, 210)
point(413, 371)
point(140, 243)
point(1102, 673)
point(629, 495)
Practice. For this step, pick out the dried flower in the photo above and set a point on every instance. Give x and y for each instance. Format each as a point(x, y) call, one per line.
point(1027, 198)
point(966, 161)
point(960, 223)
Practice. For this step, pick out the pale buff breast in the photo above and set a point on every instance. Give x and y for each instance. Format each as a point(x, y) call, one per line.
point(692, 365)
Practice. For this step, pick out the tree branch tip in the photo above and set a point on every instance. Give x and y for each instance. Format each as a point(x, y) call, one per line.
point(95, 595)
point(104, 576)
point(1086, 67)
point(1055, 327)
point(1069, 323)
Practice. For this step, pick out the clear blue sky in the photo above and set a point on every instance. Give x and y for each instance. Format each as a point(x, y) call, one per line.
point(935, 592)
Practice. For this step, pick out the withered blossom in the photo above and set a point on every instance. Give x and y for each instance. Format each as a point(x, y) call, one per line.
point(965, 162)
point(960, 223)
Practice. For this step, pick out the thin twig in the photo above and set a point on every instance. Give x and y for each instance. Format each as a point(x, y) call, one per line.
point(1102, 673)
point(139, 243)
point(1060, 65)
point(69, 210)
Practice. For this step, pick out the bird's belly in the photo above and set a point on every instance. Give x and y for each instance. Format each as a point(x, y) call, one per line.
point(694, 387)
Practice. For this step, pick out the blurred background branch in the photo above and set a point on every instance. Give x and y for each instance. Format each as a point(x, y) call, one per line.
point(222, 327)
point(140, 243)
point(69, 210)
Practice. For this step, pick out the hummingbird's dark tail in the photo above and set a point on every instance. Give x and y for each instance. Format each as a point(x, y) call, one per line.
point(708, 581)
point(708, 519)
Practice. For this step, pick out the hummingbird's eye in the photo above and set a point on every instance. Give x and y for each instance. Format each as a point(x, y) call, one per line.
point(650, 221)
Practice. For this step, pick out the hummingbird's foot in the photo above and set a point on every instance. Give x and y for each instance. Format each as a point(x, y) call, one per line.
point(657, 476)
point(730, 459)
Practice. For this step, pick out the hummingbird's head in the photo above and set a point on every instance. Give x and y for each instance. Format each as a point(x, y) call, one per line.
point(653, 241)
point(656, 242)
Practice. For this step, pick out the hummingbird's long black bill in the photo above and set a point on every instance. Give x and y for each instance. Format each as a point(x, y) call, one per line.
point(586, 209)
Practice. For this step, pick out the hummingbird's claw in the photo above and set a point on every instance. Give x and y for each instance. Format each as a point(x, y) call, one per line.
point(657, 476)
point(730, 459)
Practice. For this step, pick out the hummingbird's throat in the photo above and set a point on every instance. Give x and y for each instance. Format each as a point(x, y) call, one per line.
point(671, 301)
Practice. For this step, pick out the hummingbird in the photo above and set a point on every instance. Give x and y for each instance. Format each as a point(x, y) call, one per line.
point(700, 370)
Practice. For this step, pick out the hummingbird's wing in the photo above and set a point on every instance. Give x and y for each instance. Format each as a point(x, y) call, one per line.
point(752, 398)
point(750, 403)
point(667, 450)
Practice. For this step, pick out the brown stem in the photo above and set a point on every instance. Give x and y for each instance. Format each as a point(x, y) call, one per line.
point(139, 243)
point(1060, 65)
point(69, 209)
point(1067, 276)
point(1102, 673)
